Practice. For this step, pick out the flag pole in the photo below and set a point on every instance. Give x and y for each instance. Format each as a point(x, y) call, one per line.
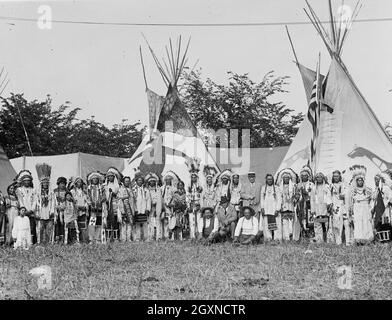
point(318, 95)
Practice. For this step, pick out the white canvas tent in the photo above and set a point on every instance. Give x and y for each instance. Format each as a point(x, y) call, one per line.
point(239, 160)
point(174, 138)
point(351, 134)
point(7, 172)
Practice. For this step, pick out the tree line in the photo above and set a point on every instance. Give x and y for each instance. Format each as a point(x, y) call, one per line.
point(240, 104)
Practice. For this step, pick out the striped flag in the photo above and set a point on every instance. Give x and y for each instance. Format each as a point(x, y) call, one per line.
point(155, 103)
point(314, 118)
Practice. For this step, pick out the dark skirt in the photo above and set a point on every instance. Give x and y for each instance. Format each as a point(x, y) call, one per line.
point(3, 227)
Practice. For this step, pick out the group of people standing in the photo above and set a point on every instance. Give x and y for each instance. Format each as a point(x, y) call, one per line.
point(113, 207)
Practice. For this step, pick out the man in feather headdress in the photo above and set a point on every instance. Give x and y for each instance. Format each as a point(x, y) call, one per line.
point(360, 206)
point(304, 188)
point(340, 217)
point(208, 196)
point(286, 180)
point(382, 198)
point(81, 202)
point(98, 208)
point(59, 193)
point(112, 187)
point(223, 185)
point(270, 223)
point(156, 205)
point(3, 220)
point(45, 204)
point(127, 204)
point(321, 204)
point(194, 193)
point(170, 180)
point(27, 199)
point(235, 193)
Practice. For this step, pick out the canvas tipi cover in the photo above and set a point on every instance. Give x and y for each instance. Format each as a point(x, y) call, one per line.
point(351, 133)
point(298, 154)
point(7, 172)
point(173, 139)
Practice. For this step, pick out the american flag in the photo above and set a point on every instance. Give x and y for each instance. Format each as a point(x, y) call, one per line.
point(314, 117)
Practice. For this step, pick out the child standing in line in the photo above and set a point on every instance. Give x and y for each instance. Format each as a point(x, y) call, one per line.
point(70, 219)
point(21, 230)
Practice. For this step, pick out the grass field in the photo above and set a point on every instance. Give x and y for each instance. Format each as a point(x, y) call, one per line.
point(188, 271)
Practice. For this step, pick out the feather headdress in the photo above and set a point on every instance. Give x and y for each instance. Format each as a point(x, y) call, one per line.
point(322, 175)
point(114, 171)
point(95, 174)
point(225, 173)
point(288, 171)
point(306, 169)
point(210, 171)
point(43, 171)
point(173, 176)
point(385, 178)
point(138, 175)
point(72, 182)
point(389, 173)
point(193, 165)
point(151, 176)
point(358, 171)
point(23, 175)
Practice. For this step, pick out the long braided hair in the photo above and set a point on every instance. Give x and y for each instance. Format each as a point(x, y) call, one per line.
point(273, 185)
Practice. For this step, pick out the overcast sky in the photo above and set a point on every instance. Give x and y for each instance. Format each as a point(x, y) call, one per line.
point(97, 67)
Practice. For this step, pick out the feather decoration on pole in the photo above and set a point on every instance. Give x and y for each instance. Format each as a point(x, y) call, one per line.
point(43, 171)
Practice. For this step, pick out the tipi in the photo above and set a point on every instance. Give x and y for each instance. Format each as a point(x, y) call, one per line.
point(7, 171)
point(351, 133)
point(173, 139)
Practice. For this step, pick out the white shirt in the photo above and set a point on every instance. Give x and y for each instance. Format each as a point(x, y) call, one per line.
point(247, 227)
point(270, 199)
point(207, 225)
point(21, 226)
point(143, 200)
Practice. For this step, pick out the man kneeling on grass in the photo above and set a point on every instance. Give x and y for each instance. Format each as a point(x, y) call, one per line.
point(208, 226)
point(247, 227)
point(227, 217)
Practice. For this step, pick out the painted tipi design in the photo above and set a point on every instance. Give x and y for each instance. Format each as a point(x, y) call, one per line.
point(173, 138)
point(351, 133)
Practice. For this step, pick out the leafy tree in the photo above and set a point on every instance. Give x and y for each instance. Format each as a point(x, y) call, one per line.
point(58, 131)
point(242, 104)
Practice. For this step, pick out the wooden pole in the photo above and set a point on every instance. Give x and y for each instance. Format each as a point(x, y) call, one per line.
point(333, 31)
point(194, 66)
point(144, 71)
point(318, 92)
point(292, 46)
point(24, 129)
